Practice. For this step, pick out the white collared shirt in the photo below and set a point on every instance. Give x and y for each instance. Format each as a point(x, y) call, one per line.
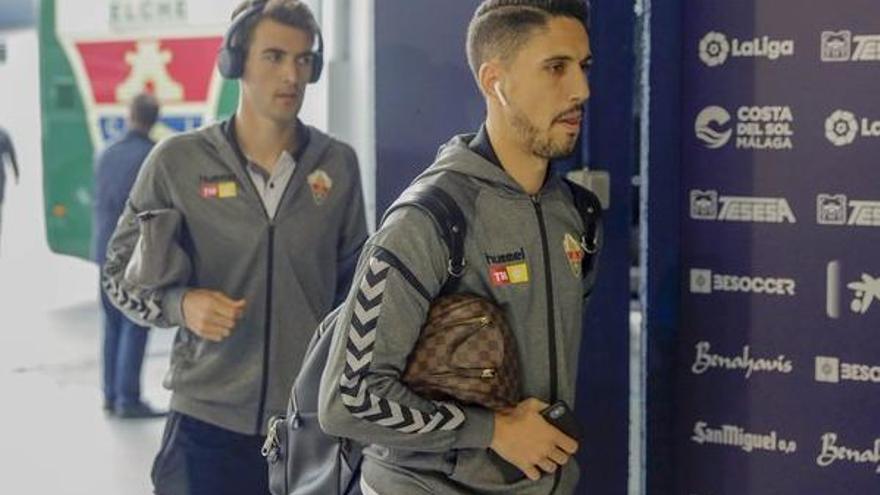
point(271, 187)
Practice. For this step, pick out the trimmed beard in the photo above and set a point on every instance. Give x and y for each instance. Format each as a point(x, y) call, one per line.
point(543, 147)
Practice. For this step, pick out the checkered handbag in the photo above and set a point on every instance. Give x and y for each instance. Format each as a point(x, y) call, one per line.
point(466, 352)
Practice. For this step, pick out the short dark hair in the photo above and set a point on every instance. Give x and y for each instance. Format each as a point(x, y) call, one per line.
point(293, 13)
point(144, 110)
point(500, 27)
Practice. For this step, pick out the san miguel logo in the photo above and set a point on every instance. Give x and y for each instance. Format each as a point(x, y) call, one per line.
point(178, 71)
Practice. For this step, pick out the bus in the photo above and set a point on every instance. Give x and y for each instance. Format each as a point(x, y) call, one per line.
point(95, 57)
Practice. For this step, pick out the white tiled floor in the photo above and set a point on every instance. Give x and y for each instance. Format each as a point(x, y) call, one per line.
point(55, 438)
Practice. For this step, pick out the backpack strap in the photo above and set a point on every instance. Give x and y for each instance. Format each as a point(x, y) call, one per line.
point(447, 218)
point(590, 210)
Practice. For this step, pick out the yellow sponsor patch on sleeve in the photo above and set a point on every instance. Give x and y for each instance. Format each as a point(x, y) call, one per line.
point(227, 190)
point(518, 274)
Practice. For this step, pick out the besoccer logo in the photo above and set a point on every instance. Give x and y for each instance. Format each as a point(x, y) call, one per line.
point(701, 281)
point(710, 127)
point(714, 49)
point(827, 369)
point(841, 128)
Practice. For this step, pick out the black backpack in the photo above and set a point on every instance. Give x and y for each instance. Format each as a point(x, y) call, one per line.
point(303, 460)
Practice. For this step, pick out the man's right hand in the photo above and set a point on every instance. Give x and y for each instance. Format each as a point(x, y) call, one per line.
point(525, 439)
point(210, 314)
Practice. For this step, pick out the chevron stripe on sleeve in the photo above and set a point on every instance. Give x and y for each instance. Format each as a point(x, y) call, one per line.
point(356, 395)
point(147, 310)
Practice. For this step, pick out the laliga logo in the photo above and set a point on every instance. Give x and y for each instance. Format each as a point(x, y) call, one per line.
point(715, 48)
point(842, 127)
point(707, 121)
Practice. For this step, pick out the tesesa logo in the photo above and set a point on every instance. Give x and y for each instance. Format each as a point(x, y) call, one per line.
point(710, 206)
point(838, 209)
point(843, 46)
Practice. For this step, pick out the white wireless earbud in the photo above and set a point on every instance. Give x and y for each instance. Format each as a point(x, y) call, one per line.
point(499, 93)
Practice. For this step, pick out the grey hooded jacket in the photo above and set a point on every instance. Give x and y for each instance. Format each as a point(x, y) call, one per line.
point(520, 252)
point(290, 269)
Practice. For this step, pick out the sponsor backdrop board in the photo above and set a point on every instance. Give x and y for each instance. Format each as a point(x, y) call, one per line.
point(779, 359)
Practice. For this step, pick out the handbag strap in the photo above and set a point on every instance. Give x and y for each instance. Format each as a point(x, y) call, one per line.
point(590, 210)
point(447, 217)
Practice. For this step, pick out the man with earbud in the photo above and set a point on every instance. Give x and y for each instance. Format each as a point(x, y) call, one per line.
point(530, 243)
point(271, 220)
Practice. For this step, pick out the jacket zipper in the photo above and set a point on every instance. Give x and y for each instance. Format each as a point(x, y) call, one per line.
point(269, 279)
point(261, 410)
point(267, 328)
point(551, 321)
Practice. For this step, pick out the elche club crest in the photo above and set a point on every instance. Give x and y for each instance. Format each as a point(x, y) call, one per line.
point(574, 252)
point(175, 70)
point(320, 183)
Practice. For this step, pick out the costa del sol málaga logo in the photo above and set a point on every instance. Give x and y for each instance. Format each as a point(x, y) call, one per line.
point(709, 127)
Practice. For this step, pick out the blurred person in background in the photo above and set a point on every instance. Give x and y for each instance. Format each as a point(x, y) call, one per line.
point(7, 159)
point(116, 168)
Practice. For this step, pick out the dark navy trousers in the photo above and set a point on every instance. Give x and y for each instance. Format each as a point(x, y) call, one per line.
point(199, 458)
point(124, 346)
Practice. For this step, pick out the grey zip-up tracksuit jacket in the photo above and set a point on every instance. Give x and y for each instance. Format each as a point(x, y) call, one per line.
point(520, 252)
point(288, 269)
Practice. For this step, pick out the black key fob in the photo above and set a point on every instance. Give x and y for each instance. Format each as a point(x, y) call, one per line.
point(562, 417)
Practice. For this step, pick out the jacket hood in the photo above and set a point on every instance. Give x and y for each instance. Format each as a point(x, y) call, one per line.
point(457, 156)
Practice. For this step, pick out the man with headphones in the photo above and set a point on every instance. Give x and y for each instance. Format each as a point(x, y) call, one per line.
point(270, 215)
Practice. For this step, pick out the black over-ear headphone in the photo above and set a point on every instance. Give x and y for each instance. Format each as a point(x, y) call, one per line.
point(230, 61)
